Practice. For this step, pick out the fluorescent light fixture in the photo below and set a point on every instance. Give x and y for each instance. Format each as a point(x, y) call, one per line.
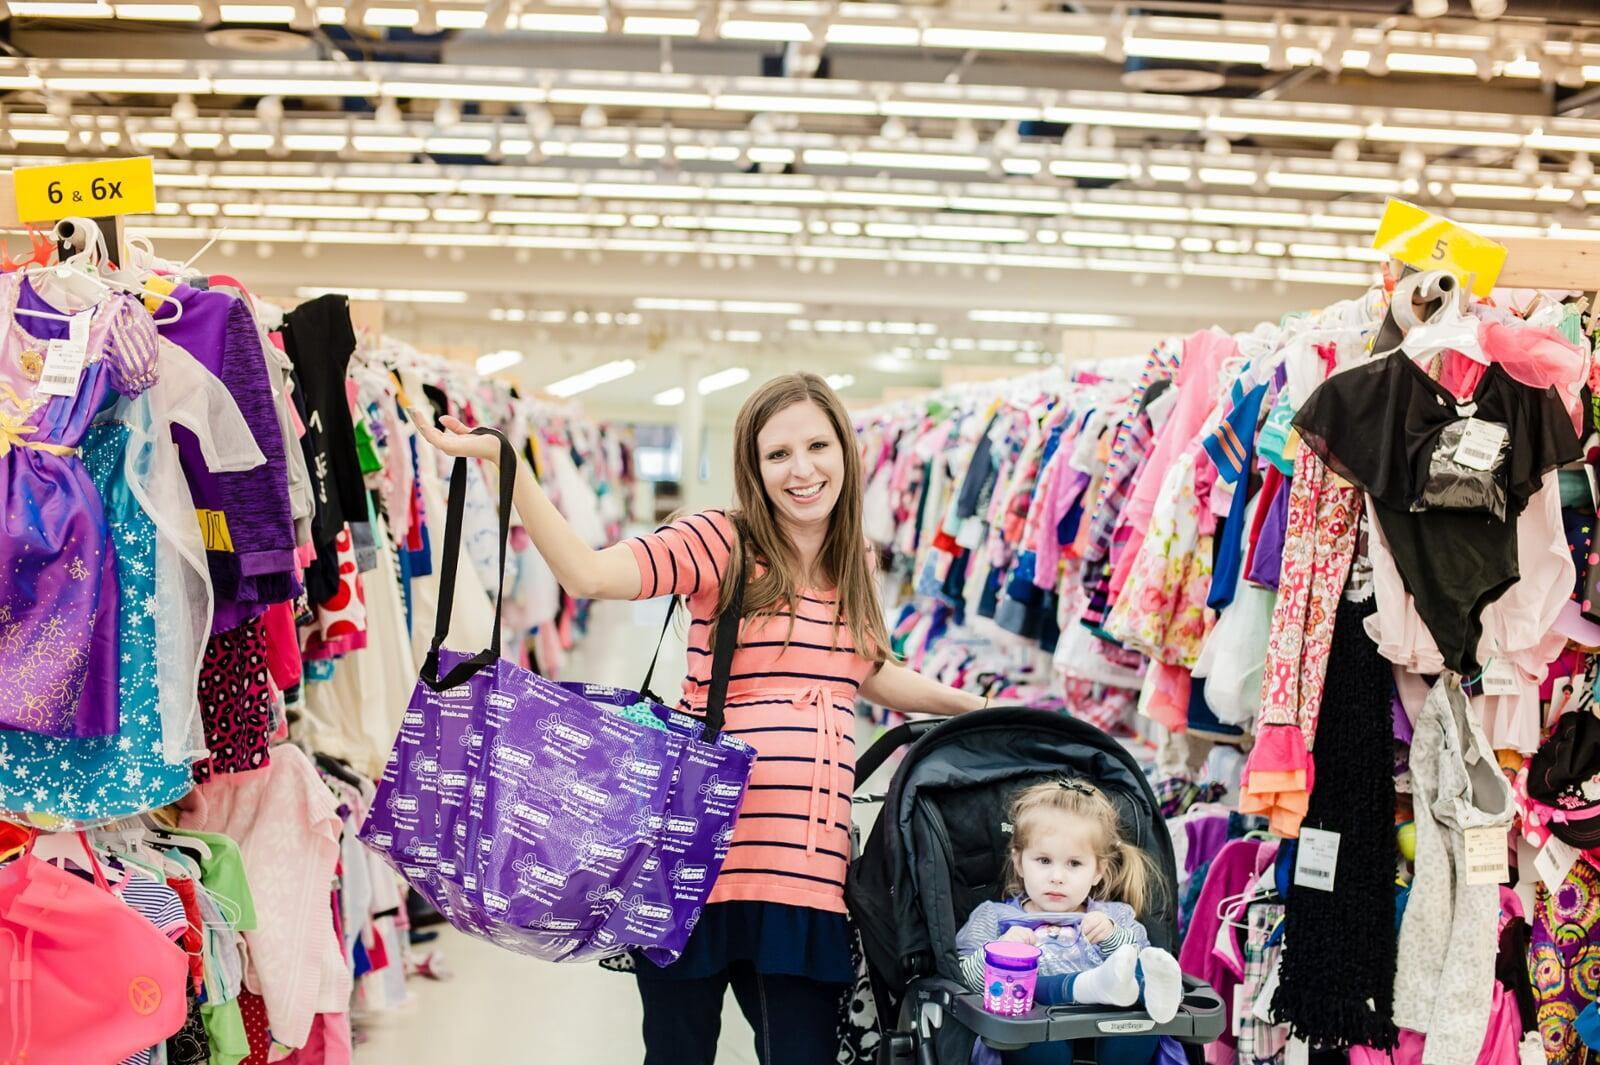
point(630, 98)
point(496, 361)
point(593, 377)
point(403, 17)
point(738, 29)
point(330, 16)
point(385, 295)
point(61, 10)
point(840, 381)
point(737, 336)
point(1332, 182)
point(457, 145)
point(1432, 135)
point(1470, 191)
point(1128, 119)
point(785, 226)
point(159, 12)
point(555, 218)
point(1012, 41)
point(553, 22)
point(508, 92)
point(251, 142)
point(39, 136)
point(663, 303)
point(1208, 50)
point(278, 13)
point(130, 84)
point(661, 26)
point(1431, 63)
point(979, 234)
point(1147, 212)
point(293, 87)
point(873, 34)
point(1559, 143)
point(1011, 317)
point(1278, 127)
point(1082, 168)
point(1107, 321)
point(800, 105)
point(887, 363)
point(722, 379)
point(672, 397)
point(758, 307)
point(453, 214)
point(953, 109)
point(460, 19)
point(406, 145)
point(314, 142)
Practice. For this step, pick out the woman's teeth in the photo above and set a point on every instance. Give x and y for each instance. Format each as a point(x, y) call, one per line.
point(806, 493)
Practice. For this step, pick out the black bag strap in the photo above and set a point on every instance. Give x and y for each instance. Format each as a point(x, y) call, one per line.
point(649, 674)
point(727, 638)
point(455, 513)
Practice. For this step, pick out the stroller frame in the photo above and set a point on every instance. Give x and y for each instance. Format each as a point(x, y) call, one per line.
point(987, 752)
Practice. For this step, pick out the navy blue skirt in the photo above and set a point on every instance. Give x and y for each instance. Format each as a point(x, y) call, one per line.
point(778, 940)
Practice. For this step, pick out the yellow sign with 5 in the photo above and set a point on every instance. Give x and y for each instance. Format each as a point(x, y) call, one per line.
point(1428, 242)
point(92, 190)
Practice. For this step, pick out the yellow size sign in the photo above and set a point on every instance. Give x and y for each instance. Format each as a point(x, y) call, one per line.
point(91, 190)
point(1428, 242)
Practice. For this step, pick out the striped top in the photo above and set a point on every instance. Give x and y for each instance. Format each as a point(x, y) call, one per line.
point(795, 705)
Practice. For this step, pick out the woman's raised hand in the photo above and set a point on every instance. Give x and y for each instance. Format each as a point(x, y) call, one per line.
point(456, 439)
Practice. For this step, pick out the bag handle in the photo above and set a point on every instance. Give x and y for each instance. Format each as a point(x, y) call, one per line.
point(727, 639)
point(455, 513)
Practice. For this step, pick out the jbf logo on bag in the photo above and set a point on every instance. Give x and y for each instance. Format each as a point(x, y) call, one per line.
point(550, 923)
point(726, 790)
point(688, 874)
point(506, 752)
point(559, 731)
point(403, 804)
point(585, 793)
point(682, 826)
point(452, 780)
point(638, 767)
point(500, 701)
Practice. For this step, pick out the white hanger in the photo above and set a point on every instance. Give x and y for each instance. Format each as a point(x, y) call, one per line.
point(84, 268)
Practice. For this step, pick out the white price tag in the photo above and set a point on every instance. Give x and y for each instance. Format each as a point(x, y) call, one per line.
point(1486, 856)
point(1500, 678)
point(64, 359)
point(1241, 1010)
point(1297, 1052)
point(1554, 862)
point(1316, 859)
point(1480, 444)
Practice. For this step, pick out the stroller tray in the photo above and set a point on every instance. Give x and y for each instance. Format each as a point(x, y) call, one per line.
point(1200, 1019)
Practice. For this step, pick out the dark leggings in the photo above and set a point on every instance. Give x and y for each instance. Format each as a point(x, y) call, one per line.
point(795, 1019)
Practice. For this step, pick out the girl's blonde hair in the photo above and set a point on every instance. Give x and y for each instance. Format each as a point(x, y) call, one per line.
point(1128, 874)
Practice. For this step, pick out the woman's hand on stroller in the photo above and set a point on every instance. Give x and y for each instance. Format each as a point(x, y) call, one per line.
point(1018, 934)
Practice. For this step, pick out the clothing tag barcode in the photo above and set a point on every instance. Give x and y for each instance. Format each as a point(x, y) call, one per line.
point(1486, 856)
point(1554, 861)
point(1500, 678)
point(63, 365)
point(1480, 445)
point(1316, 859)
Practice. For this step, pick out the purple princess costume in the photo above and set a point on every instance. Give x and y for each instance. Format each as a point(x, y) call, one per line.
point(58, 589)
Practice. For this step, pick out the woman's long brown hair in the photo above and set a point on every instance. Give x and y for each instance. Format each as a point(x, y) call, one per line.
point(843, 559)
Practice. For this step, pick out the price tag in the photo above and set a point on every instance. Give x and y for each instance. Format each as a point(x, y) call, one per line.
point(64, 359)
point(1428, 242)
point(1486, 856)
point(1481, 443)
point(1316, 858)
point(94, 190)
point(1554, 862)
point(1241, 1009)
point(1297, 1052)
point(1500, 678)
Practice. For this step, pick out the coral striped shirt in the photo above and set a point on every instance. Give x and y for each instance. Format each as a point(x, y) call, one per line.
point(795, 705)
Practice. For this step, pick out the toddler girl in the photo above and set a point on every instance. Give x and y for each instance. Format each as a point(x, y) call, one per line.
point(1074, 889)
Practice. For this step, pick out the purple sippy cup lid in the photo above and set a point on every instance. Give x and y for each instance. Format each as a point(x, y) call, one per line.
point(1005, 954)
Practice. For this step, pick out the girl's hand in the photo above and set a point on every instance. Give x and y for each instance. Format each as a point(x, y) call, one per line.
point(1018, 934)
point(458, 441)
point(1097, 927)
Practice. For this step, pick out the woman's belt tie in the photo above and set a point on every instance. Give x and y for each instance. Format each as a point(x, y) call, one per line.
point(829, 737)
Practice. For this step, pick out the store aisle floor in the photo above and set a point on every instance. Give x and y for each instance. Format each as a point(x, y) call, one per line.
point(500, 1008)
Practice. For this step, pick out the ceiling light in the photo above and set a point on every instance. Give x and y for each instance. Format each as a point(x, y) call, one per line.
point(400, 17)
point(1430, 63)
point(1429, 135)
point(1011, 317)
point(840, 381)
point(294, 87)
point(752, 30)
point(662, 26)
point(455, 90)
point(1332, 182)
point(1488, 9)
point(549, 22)
point(276, 13)
point(672, 397)
point(1202, 49)
point(1581, 169)
point(1429, 8)
point(1526, 162)
point(95, 9)
point(461, 19)
point(496, 361)
point(800, 105)
point(126, 85)
point(593, 117)
point(722, 379)
point(873, 34)
point(1011, 41)
point(1412, 160)
point(386, 295)
point(594, 377)
point(159, 12)
point(758, 307)
point(1127, 119)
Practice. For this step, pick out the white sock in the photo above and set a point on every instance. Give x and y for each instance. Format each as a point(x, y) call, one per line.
point(1163, 984)
point(1114, 983)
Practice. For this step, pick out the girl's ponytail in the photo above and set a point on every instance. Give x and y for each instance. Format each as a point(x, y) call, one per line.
point(1131, 876)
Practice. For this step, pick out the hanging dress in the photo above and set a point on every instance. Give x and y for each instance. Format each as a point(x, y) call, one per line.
point(58, 593)
point(61, 782)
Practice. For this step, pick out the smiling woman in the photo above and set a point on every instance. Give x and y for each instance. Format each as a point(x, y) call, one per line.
point(812, 639)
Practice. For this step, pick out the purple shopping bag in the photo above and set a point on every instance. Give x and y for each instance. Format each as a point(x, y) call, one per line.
point(660, 908)
point(543, 821)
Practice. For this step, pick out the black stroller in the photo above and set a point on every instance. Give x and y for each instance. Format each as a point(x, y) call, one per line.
point(935, 853)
